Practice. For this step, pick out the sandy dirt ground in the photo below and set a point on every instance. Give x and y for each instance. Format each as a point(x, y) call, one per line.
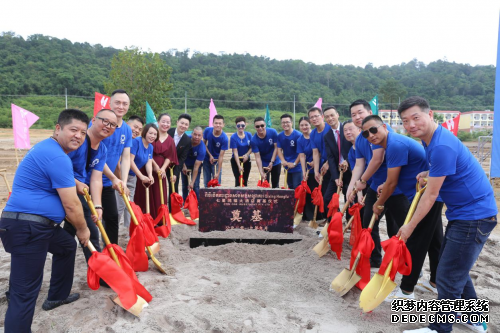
point(234, 287)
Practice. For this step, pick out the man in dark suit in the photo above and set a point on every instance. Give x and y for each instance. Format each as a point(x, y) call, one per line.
point(337, 150)
point(182, 143)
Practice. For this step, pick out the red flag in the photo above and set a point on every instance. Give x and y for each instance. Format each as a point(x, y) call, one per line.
point(176, 204)
point(356, 222)
point(365, 245)
point(300, 195)
point(395, 250)
point(317, 199)
point(136, 250)
point(333, 206)
point(452, 124)
point(100, 102)
point(264, 184)
point(163, 230)
point(213, 183)
point(335, 235)
point(192, 204)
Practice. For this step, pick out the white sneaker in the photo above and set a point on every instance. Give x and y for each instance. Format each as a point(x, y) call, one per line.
point(420, 330)
point(425, 285)
point(398, 294)
point(476, 327)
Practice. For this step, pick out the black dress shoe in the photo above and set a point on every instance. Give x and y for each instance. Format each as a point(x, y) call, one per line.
point(50, 305)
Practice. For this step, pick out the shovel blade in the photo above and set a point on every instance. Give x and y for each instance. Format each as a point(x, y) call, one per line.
point(158, 265)
point(297, 219)
point(313, 225)
point(155, 248)
point(345, 281)
point(172, 220)
point(322, 248)
point(136, 309)
point(375, 292)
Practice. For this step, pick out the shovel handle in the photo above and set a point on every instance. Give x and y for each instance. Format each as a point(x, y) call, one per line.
point(91, 247)
point(296, 207)
point(6, 181)
point(339, 188)
point(171, 181)
point(285, 171)
point(129, 208)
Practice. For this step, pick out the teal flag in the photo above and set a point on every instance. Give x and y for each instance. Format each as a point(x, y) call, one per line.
point(267, 118)
point(374, 104)
point(150, 115)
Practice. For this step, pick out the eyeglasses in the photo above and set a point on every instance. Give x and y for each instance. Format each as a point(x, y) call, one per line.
point(240, 125)
point(372, 130)
point(315, 116)
point(260, 126)
point(107, 123)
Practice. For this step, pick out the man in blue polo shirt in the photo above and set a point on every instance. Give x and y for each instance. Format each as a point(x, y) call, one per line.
point(265, 148)
point(405, 160)
point(118, 146)
point(43, 193)
point(397, 206)
point(455, 175)
point(88, 164)
point(194, 161)
point(217, 143)
point(287, 151)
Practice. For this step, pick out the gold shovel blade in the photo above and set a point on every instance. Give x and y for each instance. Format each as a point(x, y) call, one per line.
point(297, 219)
point(322, 248)
point(137, 308)
point(354, 278)
point(172, 220)
point(313, 225)
point(375, 292)
point(155, 261)
point(155, 248)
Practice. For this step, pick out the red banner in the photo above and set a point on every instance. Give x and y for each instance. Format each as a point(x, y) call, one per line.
point(100, 102)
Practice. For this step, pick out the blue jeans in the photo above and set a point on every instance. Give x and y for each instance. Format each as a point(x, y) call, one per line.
point(293, 179)
point(185, 183)
point(463, 241)
point(209, 172)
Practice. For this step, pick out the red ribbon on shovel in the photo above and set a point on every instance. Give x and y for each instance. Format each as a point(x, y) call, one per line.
point(365, 245)
point(317, 199)
point(395, 250)
point(192, 205)
point(176, 203)
point(356, 223)
point(335, 234)
point(163, 230)
point(300, 195)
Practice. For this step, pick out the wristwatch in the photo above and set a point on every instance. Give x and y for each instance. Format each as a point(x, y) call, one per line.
point(362, 181)
point(294, 164)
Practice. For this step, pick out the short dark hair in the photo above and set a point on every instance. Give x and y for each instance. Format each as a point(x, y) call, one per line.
point(412, 101)
point(103, 110)
point(286, 115)
point(165, 114)
point(329, 107)
point(146, 128)
point(119, 91)
point(67, 116)
point(258, 119)
point(348, 121)
point(238, 119)
point(198, 128)
point(304, 118)
point(185, 116)
point(314, 108)
point(374, 117)
point(139, 119)
point(219, 116)
point(365, 104)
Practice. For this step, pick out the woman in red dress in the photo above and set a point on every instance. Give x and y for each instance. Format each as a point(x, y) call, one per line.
point(164, 154)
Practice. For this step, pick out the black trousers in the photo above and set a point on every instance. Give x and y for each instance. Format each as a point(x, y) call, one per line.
point(309, 207)
point(247, 166)
point(94, 231)
point(396, 208)
point(426, 238)
point(275, 176)
point(332, 188)
point(110, 213)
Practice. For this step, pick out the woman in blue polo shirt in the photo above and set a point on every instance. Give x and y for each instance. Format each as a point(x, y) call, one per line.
point(141, 155)
point(240, 144)
point(305, 151)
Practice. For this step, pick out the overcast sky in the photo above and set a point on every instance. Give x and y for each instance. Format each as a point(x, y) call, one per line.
point(384, 32)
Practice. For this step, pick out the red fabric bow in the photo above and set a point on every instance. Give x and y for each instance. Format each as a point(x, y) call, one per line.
point(192, 205)
point(213, 183)
point(333, 206)
point(300, 195)
point(356, 222)
point(127, 268)
point(335, 235)
point(241, 181)
point(136, 250)
point(395, 250)
point(147, 226)
point(365, 245)
point(103, 267)
point(264, 184)
point(163, 230)
point(176, 204)
point(317, 198)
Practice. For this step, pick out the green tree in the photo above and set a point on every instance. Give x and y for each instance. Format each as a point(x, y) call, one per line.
point(438, 117)
point(391, 91)
point(145, 77)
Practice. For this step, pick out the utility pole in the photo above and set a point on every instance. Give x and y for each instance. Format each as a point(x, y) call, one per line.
point(66, 94)
point(185, 102)
point(293, 111)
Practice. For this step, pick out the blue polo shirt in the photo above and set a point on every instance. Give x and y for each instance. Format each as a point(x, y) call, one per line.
point(119, 140)
point(351, 158)
point(404, 152)
point(466, 191)
point(289, 145)
point(79, 159)
point(44, 169)
point(364, 149)
point(196, 153)
point(317, 142)
point(265, 146)
point(215, 144)
point(242, 145)
point(304, 147)
point(142, 154)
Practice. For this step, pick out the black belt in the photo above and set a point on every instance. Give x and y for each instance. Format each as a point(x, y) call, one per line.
point(29, 217)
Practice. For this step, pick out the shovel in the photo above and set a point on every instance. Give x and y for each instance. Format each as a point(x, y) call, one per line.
point(241, 172)
point(285, 184)
point(156, 246)
point(165, 229)
point(176, 214)
point(297, 217)
point(6, 182)
point(348, 278)
point(134, 219)
point(214, 182)
point(380, 286)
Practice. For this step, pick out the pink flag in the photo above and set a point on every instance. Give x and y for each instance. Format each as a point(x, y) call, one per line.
point(318, 103)
point(21, 123)
point(213, 112)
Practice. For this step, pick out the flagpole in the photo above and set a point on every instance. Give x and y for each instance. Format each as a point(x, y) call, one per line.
point(293, 111)
point(66, 94)
point(17, 157)
point(185, 102)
